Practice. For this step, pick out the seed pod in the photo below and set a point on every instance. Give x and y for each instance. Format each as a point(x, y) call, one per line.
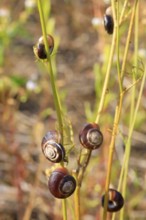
point(40, 49)
point(51, 147)
point(90, 136)
point(108, 21)
point(61, 184)
point(115, 201)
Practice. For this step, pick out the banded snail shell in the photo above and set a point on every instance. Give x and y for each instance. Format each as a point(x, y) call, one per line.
point(53, 150)
point(115, 200)
point(90, 136)
point(61, 184)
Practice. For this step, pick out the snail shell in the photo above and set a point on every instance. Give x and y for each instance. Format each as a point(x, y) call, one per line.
point(51, 136)
point(51, 147)
point(90, 136)
point(108, 21)
point(41, 52)
point(61, 184)
point(115, 201)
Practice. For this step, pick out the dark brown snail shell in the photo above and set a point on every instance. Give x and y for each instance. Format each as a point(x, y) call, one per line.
point(40, 50)
point(61, 184)
point(51, 136)
point(108, 21)
point(51, 147)
point(115, 201)
point(90, 136)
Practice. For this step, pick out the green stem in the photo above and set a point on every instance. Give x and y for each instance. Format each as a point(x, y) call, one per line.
point(118, 111)
point(111, 152)
point(83, 163)
point(133, 114)
point(64, 209)
point(77, 202)
point(102, 100)
point(123, 11)
point(128, 40)
point(117, 46)
point(128, 145)
point(54, 89)
point(49, 67)
point(104, 90)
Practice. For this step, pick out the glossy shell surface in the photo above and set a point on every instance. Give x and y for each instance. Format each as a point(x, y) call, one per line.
point(115, 201)
point(52, 149)
point(61, 184)
point(90, 136)
point(41, 52)
point(108, 24)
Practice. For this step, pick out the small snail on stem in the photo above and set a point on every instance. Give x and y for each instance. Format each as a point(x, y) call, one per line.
point(90, 136)
point(51, 147)
point(108, 21)
point(40, 51)
point(115, 201)
point(61, 184)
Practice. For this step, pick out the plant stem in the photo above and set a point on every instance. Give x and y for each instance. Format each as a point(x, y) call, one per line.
point(104, 90)
point(83, 163)
point(128, 145)
point(117, 113)
point(111, 152)
point(101, 104)
point(117, 46)
point(49, 67)
point(133, 113)
point(123, 11)
point(64, 209)
point(54, 89)
point(77, 202)
point(128, 39)
point(102, 100)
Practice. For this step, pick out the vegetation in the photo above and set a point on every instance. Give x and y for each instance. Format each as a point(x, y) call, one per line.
point(85, 112)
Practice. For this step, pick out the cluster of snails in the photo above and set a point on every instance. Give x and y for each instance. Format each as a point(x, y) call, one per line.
point(61, 184)
point(91, 138)
point(108, 20)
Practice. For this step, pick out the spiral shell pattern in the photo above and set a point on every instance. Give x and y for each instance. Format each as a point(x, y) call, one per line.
point(90, 136)
point(61, 184)
point(51, 147)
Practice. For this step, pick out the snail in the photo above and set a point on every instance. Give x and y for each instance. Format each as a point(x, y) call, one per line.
point(90, 136)
point(61, 184)
point(40, 48)
point(108, 21)
point(115, 201)
point(52, 149)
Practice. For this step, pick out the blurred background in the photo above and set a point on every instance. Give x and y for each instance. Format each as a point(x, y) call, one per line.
point(27, 109)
